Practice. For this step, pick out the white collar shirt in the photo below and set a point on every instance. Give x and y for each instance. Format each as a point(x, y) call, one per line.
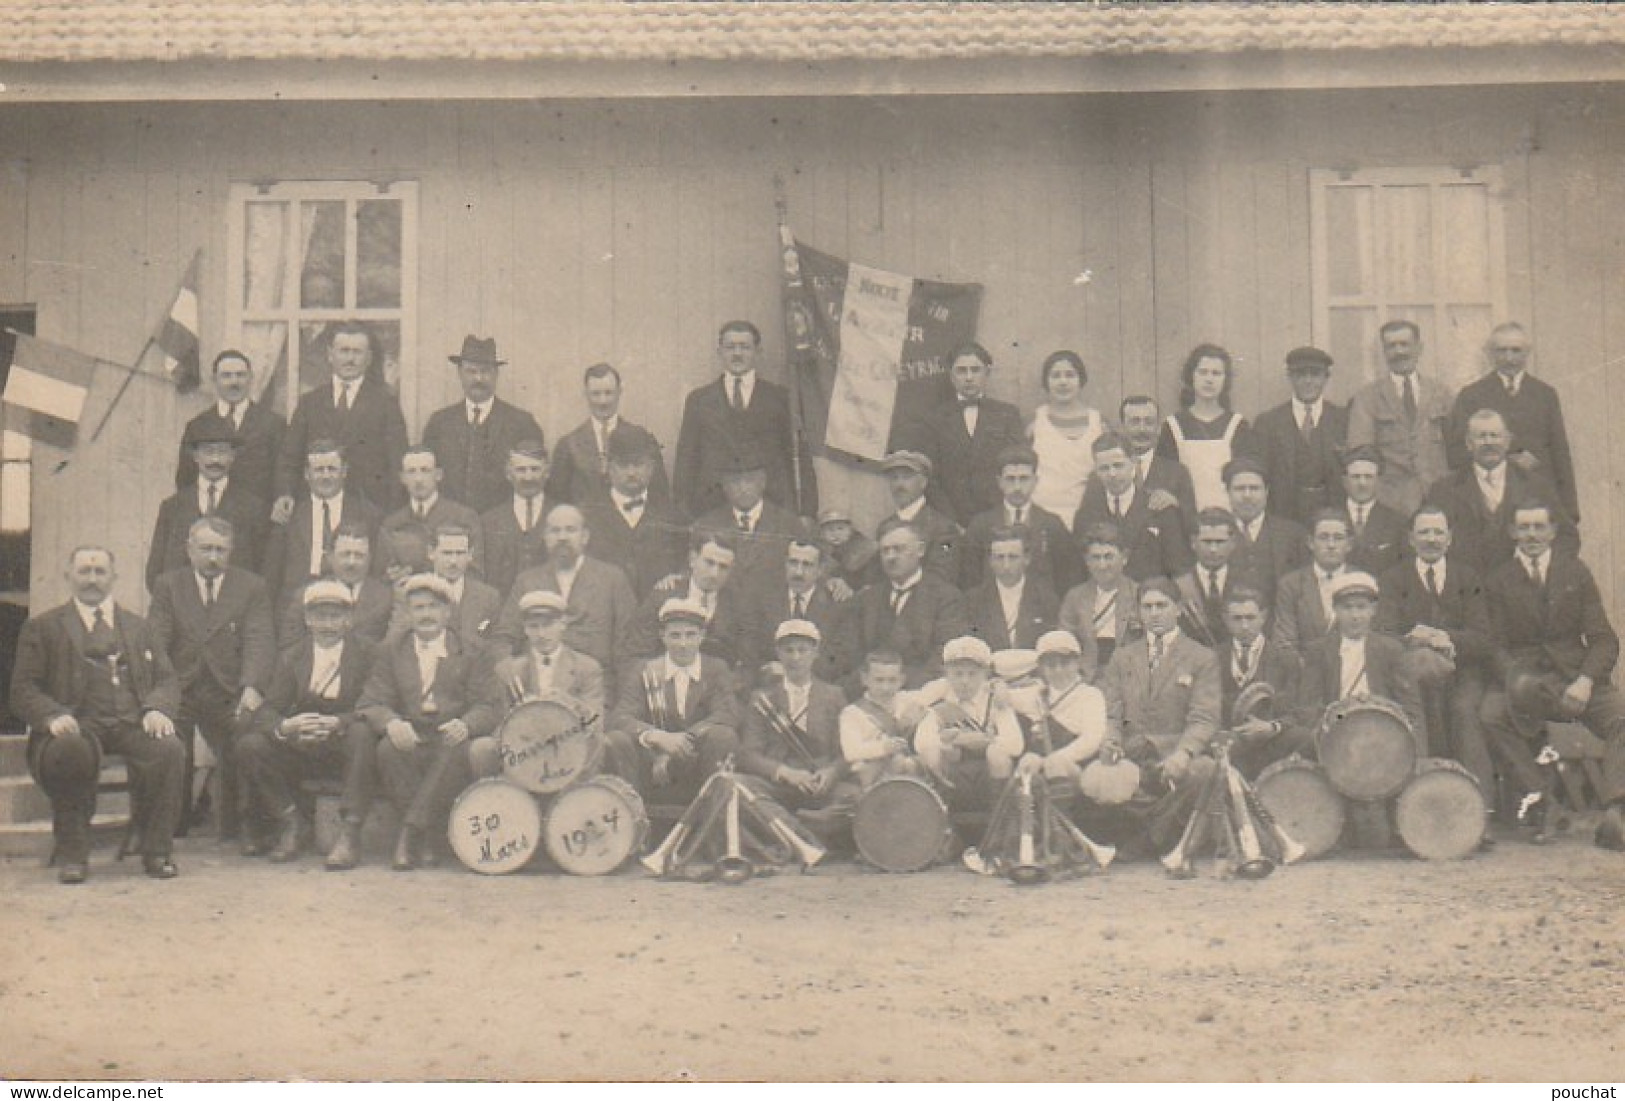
point(87, 613)
point(203, 485)
point(324, 669)
point(1351, 659)
point(335, 508)
point(478, 412)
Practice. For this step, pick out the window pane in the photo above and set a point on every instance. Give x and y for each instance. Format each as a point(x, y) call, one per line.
point(386, 349)
point(265, 253)
point(266, 345)
point(321, 279)
point(378, 253)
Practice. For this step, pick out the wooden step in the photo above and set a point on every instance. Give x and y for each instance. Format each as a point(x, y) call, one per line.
point(13, 755)
point(33, 839)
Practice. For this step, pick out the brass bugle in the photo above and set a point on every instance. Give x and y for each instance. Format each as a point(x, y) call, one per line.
point(1102, 855)
point(1178, 859)
point(1027, 870)
point(732, 867)
point(1252, 863)
point(806, 851)
point(1291, 849)
point(659, 861)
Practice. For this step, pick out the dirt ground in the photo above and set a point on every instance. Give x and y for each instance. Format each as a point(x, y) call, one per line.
point(1506, 966)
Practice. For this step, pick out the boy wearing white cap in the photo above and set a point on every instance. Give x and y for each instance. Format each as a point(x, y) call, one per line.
point(1353, 660)
point(1066, 716)
point(791, 732)
point(969, 740)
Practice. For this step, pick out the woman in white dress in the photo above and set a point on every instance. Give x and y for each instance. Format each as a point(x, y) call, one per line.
point(1062, 431)
point(1205, 433)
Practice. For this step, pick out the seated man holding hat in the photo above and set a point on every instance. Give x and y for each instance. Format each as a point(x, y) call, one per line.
point(307, 730)
point(429, 693)
point(676, 716)
point(544, 668)
point(970, 739)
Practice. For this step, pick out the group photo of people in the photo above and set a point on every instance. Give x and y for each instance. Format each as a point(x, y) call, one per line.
point(1071, 630)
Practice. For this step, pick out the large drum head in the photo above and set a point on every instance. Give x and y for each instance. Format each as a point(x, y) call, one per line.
point(1303, 803)
point(901, 825)
point(547, 745)
point(1440, 814)
point(494, 826)
point(596, 826)
point(1367, 749)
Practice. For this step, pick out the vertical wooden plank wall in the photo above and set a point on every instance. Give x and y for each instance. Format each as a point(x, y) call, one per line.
point(628, 230)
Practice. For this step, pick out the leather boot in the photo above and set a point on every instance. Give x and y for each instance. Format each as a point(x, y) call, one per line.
point(290, 838)
point(346, 852)
point(408, 849)
point(1611, 830)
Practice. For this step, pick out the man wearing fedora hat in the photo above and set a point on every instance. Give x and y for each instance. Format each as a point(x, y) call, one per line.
point(1299, 439)
point(473, 437)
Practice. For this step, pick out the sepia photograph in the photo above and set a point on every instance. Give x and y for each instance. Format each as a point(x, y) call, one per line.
point(839, 541)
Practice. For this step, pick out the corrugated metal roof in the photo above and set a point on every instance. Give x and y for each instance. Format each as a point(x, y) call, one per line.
point(712, 30)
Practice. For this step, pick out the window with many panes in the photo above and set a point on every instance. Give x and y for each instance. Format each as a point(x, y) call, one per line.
point(302, 255)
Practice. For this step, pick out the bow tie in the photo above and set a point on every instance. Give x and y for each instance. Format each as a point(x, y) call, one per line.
point(634, 502)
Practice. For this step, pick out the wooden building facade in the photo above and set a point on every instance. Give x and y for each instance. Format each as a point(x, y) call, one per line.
point(1125, 217)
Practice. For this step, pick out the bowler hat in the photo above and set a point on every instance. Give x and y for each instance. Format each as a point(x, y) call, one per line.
point(479, 350)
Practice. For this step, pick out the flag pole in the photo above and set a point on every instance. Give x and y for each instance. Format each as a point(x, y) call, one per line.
point(128, 378)
point(781, 207)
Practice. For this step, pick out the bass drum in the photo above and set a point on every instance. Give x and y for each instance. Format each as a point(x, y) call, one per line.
point(548, 744)
point(1303, 803)
point(901, 824)
point(1367, 748)
point(1440, 814)
point(494, 826)
point(596, 826)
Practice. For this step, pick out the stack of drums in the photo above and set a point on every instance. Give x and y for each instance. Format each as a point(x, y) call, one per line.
point(1370, 780)
point(548, 796)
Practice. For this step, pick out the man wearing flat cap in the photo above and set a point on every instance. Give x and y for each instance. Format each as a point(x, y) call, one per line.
point(307, 730)
point(214, 491)
point(428, 694)
point(473, 436)
point(907, 475)
point(1299, 439)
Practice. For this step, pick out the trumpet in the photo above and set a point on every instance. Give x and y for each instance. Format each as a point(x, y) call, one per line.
point(733, 867)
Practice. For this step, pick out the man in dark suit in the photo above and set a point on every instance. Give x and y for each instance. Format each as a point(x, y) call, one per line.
point(91, 679)
point(740, 410)
point(676, 716)
point(1530, 408)
point(1377, 531)
point(427, 695)
point(216, 492)
point(1353, 660)
point(764, 529)
point(405, 535)
point(707, 582)
point(790, 737)
point(602, 608)
point(357, 411)
point(371, 601)
point(1165, 481)
point(1480, 497)
point(1268, 547)
point(473, 436)
point(1434, 603)
point(256, 431)
point(1247, 657)
point(965, 437)
point(907, 475)
point(214, 621)
point(582, 458)
point(512, 531)
point(1213, 577)
point(1299, 439)
point(1303, 598)
point(632, 530)
point(1153, 536)
point(912, 612)
point(801, 594)
point(1055, 556)
point(301, 549)
point(307, 730)
point(475, 605)
point(1013, 606)
point(1557, 652)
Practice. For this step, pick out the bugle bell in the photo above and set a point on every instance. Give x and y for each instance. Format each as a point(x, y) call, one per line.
point(732, 867)
point(1028, 870)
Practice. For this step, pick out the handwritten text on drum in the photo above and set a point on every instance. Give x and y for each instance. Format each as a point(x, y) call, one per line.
point(492, 852)
point(593, 832)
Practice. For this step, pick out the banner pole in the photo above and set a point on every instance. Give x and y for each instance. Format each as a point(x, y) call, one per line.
point(781, 207)
point(129, 378)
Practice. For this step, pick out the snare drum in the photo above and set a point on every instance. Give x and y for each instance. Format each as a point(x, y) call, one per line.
point(595, 826)
point(494, 826)
point(1303, 803)
point(901, 824)
point(1367, 747)
point(547, 744)
point(1440, 814)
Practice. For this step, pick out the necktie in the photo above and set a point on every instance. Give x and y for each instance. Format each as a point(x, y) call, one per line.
point(1432, 574)
point(1018, 516)
point(1309, 425)
point(1535, 572)
point(1511, 385)
point(214, 499)
point(98, 622)
point(898, 597)
point(799, 605)
point(1212, 584)
point(327, 525)
point(1157, 645)
point(969, 411)
point(344, 401)
point(1244, 665)
point(1117, 506)
point(420, 510)
point(635, 503)
point(739, 394)
point(530, 514)
point(476, 417)
point(236, 416)
point(209, 584)
point(1410, 400)
point(1359, 519)
point(744, 522)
